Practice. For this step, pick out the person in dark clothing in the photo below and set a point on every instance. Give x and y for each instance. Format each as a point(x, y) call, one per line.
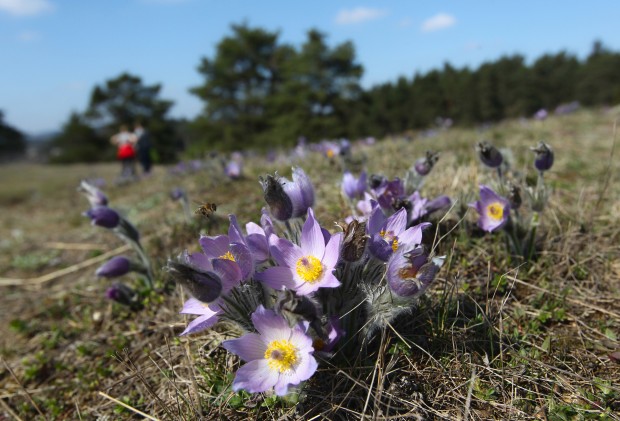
point(143, 147)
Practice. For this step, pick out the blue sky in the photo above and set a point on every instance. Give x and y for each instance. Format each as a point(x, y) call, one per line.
point(55, 51)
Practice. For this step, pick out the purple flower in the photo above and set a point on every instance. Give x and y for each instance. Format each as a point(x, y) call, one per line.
point(207, 280)
point(541, 114)
point(409, 271)
point(544, 156)
point(93, 194)
point(493, 209)
point(177, 193)
point(221, 247)
point(122, 294)
point(233, 170)
point(307, 267)
point(103, 217)
point(300, 191)
point(115, 267)
point(278, 356)
point(334, 334)
point(388, 234)
point(489, 154)
point(256, 240)
point(389, 193)
point(423, 166)
point(352, 187)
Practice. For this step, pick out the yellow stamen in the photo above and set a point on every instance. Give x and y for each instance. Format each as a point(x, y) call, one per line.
point(309, 268)
point(390, 238)
point(330, 153)
point(228, 255)
point(495, 211)
point(281, 355)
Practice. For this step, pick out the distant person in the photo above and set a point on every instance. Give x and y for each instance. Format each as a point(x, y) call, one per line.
point(143, 147)
point(125, 142)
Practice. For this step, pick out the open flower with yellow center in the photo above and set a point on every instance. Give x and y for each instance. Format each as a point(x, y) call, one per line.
point(307, 267)
point(278, 356)
point(493, 209)
point(387, 235)
point(229, 248)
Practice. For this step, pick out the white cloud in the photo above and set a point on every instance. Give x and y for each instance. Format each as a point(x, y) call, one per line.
point(25, 7)
point(358, 15)
point(437, 22)
point(28, 36)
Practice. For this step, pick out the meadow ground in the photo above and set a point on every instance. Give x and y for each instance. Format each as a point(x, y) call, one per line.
point(492, 339)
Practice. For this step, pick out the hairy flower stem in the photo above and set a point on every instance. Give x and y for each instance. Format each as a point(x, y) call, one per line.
point(528, 252)
point(145, 261)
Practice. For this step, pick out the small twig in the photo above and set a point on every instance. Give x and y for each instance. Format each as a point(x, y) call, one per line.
point(470, 389)
point(23, 389)
point(131, 408)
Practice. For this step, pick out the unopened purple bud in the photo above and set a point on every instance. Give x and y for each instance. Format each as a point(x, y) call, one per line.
point(544, 156)
point(115, 267)
point(122, 294)
point(424, 165)
point(489, 154)
point(177, 193)
point(103, 217)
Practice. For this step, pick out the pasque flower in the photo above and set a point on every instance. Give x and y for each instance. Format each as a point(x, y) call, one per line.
point(288, 199)
point(423, 166)
point(115, 267)
point(493, 209)
point(307, 267)
point(103, 217)
point(352, 187)
point(388, 234)
point(278, 356)
point(207, 280)
point(410, 272)
point(544, 156)
point(94, 195)
point(489, 154)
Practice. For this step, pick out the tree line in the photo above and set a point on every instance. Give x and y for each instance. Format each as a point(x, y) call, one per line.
point(259, 92)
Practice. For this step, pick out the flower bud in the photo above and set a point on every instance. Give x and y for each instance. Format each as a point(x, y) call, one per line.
point(177, 193)
point(103, 217)
point(544, 156)
point(279, 202)
point(423, 166)
point(489, 154)
point(122, 294)
point(115, 267)
point(354, 243)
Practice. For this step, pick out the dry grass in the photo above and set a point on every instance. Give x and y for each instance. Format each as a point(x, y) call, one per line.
point(492, 339)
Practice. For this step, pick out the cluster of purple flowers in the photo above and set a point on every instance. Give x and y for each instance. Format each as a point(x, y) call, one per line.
point(500, 208)
point(103, 216)
point(297, 290)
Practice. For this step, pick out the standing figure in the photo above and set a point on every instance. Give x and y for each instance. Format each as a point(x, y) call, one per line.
point(124, 141)
point(143, 147)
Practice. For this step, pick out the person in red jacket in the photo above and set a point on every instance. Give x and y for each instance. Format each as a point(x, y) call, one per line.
point(125, 142)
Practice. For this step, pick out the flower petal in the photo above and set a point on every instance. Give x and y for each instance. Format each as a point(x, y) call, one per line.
point(312, 240)
point(250, 346)
point(277, 277)
point(200, 323)
point(255, 377)
point(214, 246)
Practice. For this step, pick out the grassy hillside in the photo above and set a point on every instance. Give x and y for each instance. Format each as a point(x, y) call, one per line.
point(492, 339)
